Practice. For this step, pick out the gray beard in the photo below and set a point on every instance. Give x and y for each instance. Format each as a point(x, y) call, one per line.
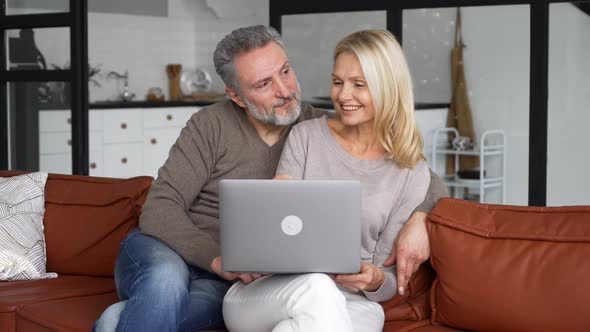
point(271, 117)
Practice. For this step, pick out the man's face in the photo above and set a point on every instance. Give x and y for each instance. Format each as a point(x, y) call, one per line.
point(268, 85)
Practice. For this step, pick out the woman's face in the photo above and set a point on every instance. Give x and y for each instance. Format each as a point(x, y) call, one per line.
point(350, 92)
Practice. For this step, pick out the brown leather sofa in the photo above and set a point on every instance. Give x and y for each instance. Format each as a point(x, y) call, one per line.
point(498, 268)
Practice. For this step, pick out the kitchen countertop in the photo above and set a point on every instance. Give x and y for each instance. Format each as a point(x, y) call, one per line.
point(317, 102)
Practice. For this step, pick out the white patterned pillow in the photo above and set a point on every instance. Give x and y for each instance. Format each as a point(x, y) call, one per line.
point(22, 243)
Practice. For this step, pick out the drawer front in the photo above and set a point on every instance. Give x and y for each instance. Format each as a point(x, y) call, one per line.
point(123, 160)
point(55, 142)
point(122, 126)
point(95, 120)
point(95, 141)
point(60, 121)
point(167, 117)
point(157, 144)
point(55, 121)
point(95, 163)
point(56, 163)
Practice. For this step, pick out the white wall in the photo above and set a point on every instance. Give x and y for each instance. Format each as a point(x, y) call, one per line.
point(310, 40)
point(496, 62)
point(143, 45)
point(568, 182)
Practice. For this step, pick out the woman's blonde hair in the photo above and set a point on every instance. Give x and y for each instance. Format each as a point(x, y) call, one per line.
point(390, 84)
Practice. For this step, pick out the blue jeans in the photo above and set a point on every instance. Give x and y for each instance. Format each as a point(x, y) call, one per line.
point(160, 292)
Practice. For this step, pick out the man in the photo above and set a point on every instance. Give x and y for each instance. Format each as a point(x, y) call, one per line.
point(169, 273)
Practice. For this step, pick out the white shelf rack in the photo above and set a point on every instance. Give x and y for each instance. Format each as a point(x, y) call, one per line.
point(491, 143)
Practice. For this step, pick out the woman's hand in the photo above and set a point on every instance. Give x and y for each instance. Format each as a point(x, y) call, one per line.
point(369, 279)
point(410, 249)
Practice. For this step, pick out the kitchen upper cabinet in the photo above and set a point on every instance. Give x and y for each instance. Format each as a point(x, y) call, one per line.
point(122, 142)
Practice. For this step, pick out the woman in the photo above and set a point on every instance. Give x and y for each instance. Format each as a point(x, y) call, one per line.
point(374, 139)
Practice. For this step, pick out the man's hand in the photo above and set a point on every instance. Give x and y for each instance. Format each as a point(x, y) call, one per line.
point(410, 249)
point(246, 278)
point(369, 279)
point(283, 177)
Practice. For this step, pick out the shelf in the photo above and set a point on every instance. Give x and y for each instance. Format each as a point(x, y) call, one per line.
point(474, 183)
point(486, 152)
point(490, 143)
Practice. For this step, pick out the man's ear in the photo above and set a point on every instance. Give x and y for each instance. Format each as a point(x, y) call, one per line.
point(235, 97)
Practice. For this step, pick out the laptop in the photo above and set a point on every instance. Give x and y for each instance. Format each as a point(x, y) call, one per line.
point(290, 226)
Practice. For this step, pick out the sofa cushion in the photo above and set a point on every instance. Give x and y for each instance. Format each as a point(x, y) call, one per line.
point(415, 304)
point(22, 205)
point(18, 294)
point(86, 218)
point(511, 268)
point(69, 314)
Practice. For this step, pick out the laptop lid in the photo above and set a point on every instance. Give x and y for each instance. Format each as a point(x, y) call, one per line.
point(290, 226)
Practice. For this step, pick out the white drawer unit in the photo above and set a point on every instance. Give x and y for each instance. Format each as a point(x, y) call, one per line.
point(55, 142)
point(122, 142)
point(60, 163)
point(55, 121)
point(168, 117)
point(157, 143)
point(121, 126)
point(95, 163)
point(123, 160)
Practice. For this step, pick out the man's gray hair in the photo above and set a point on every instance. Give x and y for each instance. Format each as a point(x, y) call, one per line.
point(237, 42)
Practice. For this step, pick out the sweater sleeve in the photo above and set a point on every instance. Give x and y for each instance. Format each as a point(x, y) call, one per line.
point(294, 153)
point(180, 180)
point(436, 191)
point(414, 192)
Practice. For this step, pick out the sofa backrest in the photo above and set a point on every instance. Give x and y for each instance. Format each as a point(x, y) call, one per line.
point(86, 218)
point(510, 268)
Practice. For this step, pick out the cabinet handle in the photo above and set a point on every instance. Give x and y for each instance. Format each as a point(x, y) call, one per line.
point(123, 125)
point(153, 141)
point(93, 165)
point(124, 160)
point(169, 117)
point(70, 142)
point(69, 120)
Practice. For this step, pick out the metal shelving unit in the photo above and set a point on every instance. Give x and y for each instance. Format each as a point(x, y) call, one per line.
point(492, 143)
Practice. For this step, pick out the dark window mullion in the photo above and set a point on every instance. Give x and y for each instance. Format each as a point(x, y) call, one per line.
point(36, 76)
point(79, 85)
point(35, 21)
point(3, 94)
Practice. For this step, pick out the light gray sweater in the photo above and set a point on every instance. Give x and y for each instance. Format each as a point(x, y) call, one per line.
point(390, 193)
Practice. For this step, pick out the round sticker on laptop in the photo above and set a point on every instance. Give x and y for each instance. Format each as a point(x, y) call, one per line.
point(291, 225)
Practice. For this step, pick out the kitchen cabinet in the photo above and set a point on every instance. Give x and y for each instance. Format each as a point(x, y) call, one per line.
point(122, 142)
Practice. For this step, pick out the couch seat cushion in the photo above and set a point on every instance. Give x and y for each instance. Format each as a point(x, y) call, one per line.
point(15, 295)
point(510, 268)
point(414, 326)
point(69, 314)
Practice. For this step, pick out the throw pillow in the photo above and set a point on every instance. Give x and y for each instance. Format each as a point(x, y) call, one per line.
point(22, 243)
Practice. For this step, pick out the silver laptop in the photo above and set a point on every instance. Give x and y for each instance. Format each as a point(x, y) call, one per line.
point(290, 226)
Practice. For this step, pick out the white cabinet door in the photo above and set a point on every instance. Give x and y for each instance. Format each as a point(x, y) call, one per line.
point(157, 144)
point(123, 160)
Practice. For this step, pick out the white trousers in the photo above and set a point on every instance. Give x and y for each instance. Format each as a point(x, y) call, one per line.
point(298, 303)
